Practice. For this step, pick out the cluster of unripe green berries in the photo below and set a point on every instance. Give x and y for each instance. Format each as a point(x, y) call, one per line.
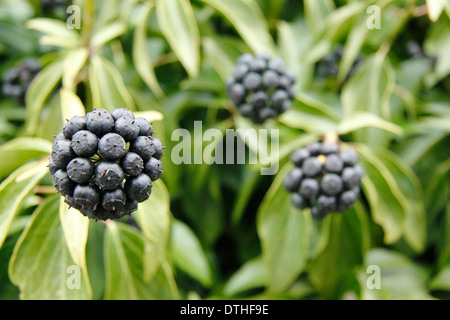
point(324, 178)
point(104, 164)
point(15, 81)
point(260, 87)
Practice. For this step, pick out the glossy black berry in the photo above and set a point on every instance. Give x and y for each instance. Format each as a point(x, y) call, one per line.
point(153, 168)
point(331, 184)
point(349, 157)
point(84, 143)
point(252, 81)
point(99, 122)
point(317, 213)
point(309, 188)
point(86, 196)
point(112, 146)
point(130, 207)
point(63, 184)
point(351, 178)
point(240, 71)
point(326, 204)
point(329, 148)
point(144, 147)
point(237, 93)
point(312, 167)
point(293, 179)
point(314, 148)
point(73, 125)
point(347, 198)
point(80, 170)
point(299, 155)
point(270, 79)
point(334, 163)
point(138, 188)
point(145, 127)
point(158, 147)
point(132, 164)
point(299, 201)
point(51, 166)
point(259, 99)
point(62, 153)
point(114, 200)
point(122, 113)
point(127, 128)
point(108, 175)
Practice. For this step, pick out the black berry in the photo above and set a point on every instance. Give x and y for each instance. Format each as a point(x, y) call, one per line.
point(84, 143)
point(73, 125)
point(99, 122)
point(112, 146)
point(80, 170)
point(127, 128)
point(138, 188)
point(153, 168)
point(143, 146)
point(132, 164)
point(108, 175)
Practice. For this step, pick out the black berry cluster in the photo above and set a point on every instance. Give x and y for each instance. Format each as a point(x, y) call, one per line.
point(261, 87)
point(15, 81)
point(50, 6)
point(324, 179)
point(329, 65)
point(104, 164)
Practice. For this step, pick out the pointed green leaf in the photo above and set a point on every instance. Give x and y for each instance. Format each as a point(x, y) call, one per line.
point(399, 277)
point(38, 92)
point(346, 243)
point(71, 104)
point(253, 274)
point(187, 253)
point(18, 151)
point(75, 227)
point(283, 230)
point(249, 21)
point(125, 265)
point(41, 265)
point(177, 22)
point(108, 88)
point(73, 63)
point(14, 189)
point(141, 58)
point(153, 217)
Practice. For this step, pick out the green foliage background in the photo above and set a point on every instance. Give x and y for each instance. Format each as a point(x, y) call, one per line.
point(225, 231)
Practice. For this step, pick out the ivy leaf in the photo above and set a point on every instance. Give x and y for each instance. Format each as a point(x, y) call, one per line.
point(249, 21)
point(187, 253)
point(41, 264)
point(399, 277)
point(21, 150)
point(282, 229)
point(177, 21)
point(14, 189)
point(126, 270)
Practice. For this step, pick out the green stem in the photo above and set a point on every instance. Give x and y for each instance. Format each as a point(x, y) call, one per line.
point(87, 22)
